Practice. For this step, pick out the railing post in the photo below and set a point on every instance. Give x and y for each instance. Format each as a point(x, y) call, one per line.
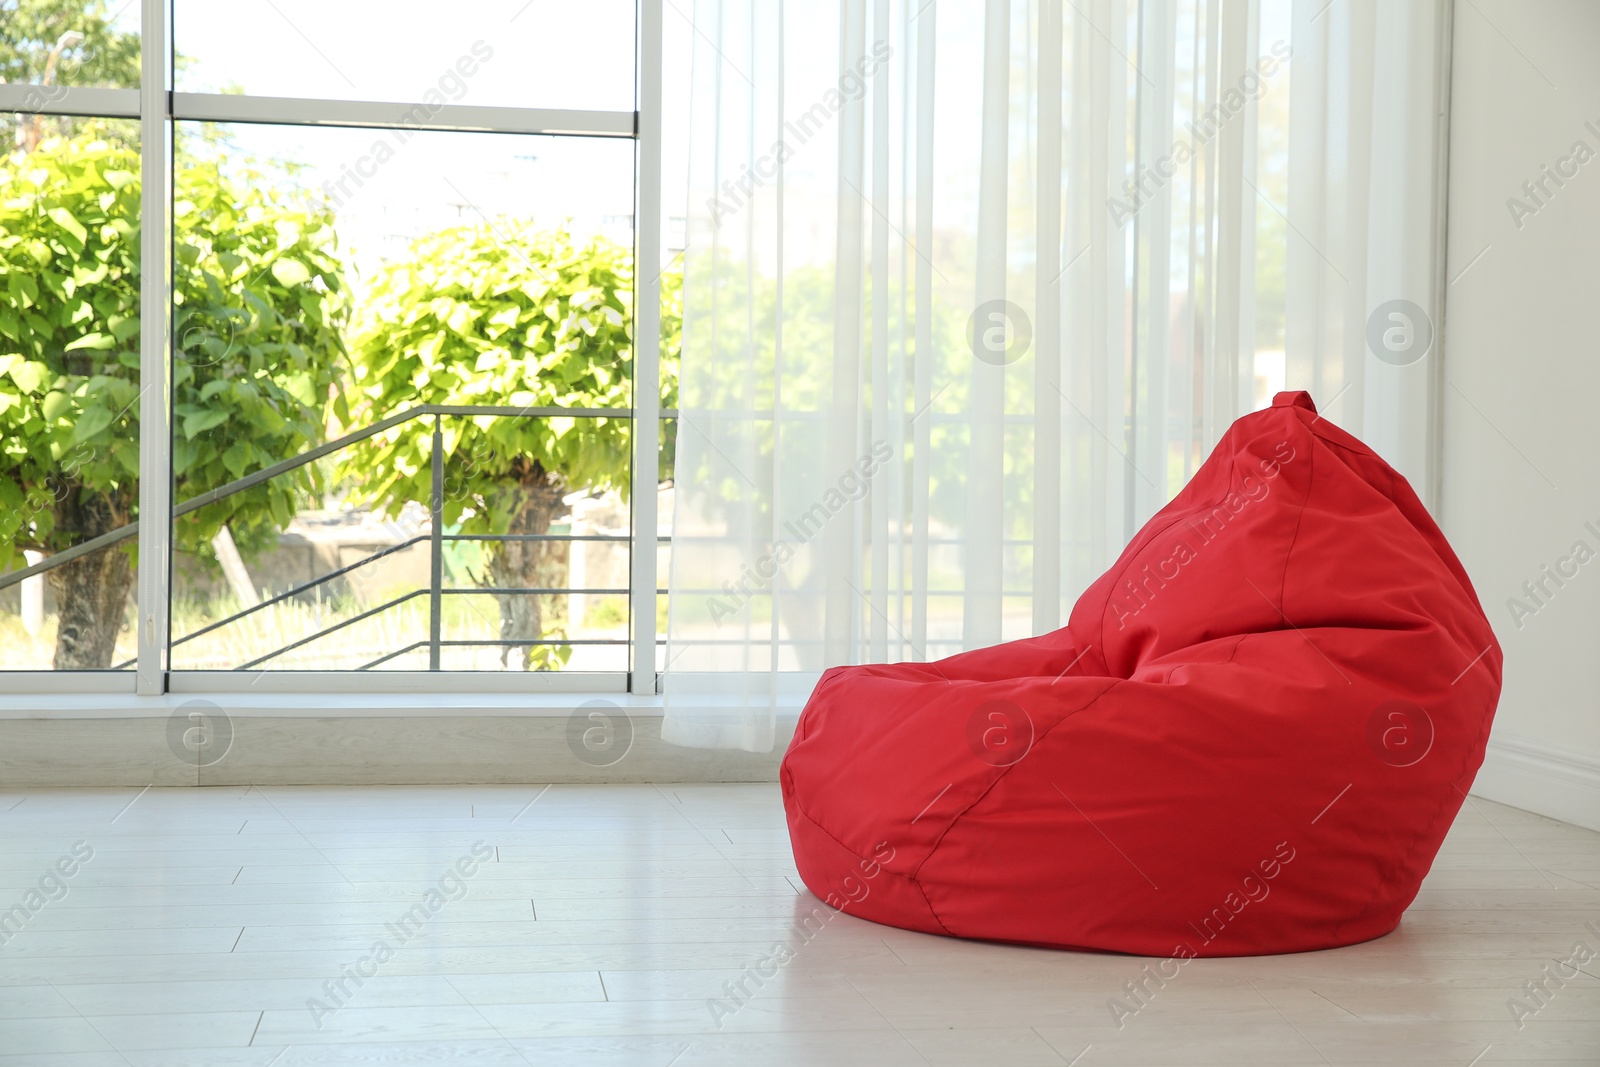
point(436, 547)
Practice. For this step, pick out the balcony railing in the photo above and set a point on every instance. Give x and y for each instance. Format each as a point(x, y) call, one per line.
point(436, 539)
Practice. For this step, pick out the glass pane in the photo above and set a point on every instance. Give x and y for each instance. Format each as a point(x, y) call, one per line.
point(502, 53)
point(533, 574)
point(69, 393)
point(322, 289)
point(666, 496)
point(57, 43)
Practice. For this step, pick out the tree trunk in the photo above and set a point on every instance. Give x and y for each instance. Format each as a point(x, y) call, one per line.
point(535, 501)
point(92, 591)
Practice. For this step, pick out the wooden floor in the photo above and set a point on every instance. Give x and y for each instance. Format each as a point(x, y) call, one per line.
point(606, 925)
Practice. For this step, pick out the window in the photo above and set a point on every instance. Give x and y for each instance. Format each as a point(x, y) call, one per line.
point(70, 380)
point(403, 427)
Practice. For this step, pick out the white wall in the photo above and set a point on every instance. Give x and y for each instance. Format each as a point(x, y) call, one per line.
point(1522, 381)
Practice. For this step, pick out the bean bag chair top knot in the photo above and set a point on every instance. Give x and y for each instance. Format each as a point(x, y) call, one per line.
point(1251, 737)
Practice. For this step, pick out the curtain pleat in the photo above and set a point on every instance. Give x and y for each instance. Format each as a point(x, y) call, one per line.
point(921, 27)
point(1048, 546)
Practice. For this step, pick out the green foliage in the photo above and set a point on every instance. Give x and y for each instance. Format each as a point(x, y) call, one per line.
point(69, 336)
point(259, 318)
point(29, 33)
point(29, 30)
point(671, 346)
point(473, 316)
point(259, 313)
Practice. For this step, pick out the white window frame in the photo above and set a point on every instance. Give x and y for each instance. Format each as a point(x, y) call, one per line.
point(157, 107)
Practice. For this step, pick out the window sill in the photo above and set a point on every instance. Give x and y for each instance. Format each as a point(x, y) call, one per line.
point(319, 705)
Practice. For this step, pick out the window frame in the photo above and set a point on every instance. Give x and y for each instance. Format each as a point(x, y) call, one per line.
point(158, 108)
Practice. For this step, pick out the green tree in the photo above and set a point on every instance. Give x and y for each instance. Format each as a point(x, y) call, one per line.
point(501, 316)
point(69, 377)
point(258, 343)
point(52, 43)
point(259, 318)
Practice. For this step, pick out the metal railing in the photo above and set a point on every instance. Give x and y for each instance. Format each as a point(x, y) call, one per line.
point(436, 539)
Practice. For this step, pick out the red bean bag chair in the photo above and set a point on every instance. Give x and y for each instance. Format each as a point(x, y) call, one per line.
point(1251, 737)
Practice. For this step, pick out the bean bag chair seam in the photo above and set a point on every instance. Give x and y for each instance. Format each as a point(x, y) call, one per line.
point(1299, 522)
point(1135, 547)
point(912, 877)
point(1388, 472)
point(923, 893)
point(1427, 832)
point(1395, 495)
point(1111, 591)
point(957, 817)
point(1333, 436)
point(1142, 542)
point(1145, 537)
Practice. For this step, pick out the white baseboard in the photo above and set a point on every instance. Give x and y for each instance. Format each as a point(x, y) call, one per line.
point(1546, 781)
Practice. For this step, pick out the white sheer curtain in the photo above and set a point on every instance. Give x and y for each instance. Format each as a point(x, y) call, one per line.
point(1366, 147)
point(971, 289)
